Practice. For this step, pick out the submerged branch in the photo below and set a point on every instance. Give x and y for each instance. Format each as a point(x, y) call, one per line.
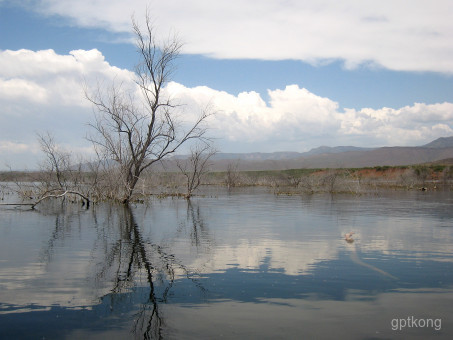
point(63, 194)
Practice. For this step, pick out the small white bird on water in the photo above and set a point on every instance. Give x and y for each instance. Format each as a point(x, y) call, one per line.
point(348, 237)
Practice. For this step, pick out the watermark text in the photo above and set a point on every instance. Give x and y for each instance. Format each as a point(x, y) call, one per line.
point(413, 322)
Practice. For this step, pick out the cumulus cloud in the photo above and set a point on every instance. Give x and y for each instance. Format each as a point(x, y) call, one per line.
point(393, 34)
point(292, 113)
point(296, 116)
point(403, 126)
point(16, 89)
point(45, 76)
point(42, 90)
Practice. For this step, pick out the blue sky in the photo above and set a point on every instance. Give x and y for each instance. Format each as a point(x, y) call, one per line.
point(283, 75)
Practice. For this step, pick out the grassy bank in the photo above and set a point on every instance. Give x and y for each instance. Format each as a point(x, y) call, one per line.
point(416, 177)
point(291, 181)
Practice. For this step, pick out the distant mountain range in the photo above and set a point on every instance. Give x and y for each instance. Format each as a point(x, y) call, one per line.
point(338, 157)
point(283, 155)
point(437, 151)
point(442, 142)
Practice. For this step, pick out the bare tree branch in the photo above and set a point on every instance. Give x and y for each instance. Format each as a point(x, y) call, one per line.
point(136, 135)
point(196, 166)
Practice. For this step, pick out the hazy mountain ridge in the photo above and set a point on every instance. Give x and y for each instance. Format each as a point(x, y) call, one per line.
point(284, 155)
point(326, 157)
point(336, 149)
point(259, 155)
point(442, 142)
point(339, 157)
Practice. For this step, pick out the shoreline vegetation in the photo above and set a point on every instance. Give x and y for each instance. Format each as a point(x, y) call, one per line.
point(84, 186)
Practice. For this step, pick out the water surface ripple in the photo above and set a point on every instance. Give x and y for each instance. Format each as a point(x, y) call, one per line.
point(239, 264)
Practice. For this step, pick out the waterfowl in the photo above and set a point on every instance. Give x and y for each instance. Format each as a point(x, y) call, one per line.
point(348, 237)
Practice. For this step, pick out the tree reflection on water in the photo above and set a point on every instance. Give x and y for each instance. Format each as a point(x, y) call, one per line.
point(199, 233)
point(134, 258)
point(140, 271)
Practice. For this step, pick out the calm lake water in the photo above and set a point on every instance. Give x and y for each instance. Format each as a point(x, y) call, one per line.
point(245, 264)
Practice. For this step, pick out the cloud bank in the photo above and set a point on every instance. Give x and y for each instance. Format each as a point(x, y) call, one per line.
point(395, 34)
point(42, 90)
point(296, 119)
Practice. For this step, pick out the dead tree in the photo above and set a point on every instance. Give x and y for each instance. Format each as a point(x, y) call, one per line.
point(59, 177)
point(232, 175)
point(138, 132)
point(195, 167)
point(330, 180)
point(56, 166)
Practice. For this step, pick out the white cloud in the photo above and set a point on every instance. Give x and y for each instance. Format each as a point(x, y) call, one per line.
point(296, 116)
point(292, 112)
point(404, 126)
point(43, 91)
point(13, 147)
point(45, 76)
point(16, 89)
point(394, 34)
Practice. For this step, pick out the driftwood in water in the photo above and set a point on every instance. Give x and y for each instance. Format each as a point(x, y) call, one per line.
point(86, 200)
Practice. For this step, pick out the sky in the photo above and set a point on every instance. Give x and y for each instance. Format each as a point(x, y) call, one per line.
point(281, 75)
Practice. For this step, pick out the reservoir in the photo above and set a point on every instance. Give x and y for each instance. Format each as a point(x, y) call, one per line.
point(244, 263)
